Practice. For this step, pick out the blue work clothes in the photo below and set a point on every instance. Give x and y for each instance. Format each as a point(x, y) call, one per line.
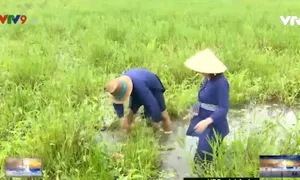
point(213, 93)
point(148, 91)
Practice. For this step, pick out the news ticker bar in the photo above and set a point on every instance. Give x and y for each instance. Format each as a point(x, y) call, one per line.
point(221, 178)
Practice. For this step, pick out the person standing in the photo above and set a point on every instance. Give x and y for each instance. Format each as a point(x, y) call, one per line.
point(213, 104)
point(143, 88)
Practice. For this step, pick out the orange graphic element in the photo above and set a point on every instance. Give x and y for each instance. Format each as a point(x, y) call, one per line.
point(289, 163)
point(35, 164)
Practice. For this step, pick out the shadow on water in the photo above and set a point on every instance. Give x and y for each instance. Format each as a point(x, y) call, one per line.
point(179, 149)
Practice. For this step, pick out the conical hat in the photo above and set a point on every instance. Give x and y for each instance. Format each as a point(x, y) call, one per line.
point(116, 85)
point(205, 62)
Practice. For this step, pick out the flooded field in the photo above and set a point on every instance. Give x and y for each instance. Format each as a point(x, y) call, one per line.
point(179, 149)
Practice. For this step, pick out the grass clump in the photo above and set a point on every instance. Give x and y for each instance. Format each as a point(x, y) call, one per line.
point(240, 158)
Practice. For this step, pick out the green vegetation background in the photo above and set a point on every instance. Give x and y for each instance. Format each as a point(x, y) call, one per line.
point(53, 72)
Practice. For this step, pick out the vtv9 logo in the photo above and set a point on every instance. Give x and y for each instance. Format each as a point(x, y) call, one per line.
point(8, 19)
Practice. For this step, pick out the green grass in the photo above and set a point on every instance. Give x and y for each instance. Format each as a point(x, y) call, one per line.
point(240, 158)
point(53, 72)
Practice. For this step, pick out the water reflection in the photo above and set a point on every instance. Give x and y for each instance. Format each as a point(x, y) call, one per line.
point(242, 122)
point(250, 119)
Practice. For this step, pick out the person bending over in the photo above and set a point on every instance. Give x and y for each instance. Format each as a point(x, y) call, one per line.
point(143, 88)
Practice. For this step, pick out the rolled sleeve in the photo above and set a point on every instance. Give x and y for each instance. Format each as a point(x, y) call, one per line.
point(223, 102)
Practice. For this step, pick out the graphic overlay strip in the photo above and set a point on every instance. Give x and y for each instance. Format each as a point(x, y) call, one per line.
point(280, 166)
point(221, 178)
point(23, 167)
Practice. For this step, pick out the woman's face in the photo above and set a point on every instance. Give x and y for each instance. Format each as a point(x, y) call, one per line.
point(205, 75)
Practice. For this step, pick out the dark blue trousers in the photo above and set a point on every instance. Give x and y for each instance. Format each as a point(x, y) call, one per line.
point(159, 96)
point(204, 149)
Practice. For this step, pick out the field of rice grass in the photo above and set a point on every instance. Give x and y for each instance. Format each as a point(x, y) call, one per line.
point(53, 69)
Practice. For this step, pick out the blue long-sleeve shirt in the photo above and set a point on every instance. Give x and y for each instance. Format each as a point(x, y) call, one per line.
point(215, 92)
point(144, 83)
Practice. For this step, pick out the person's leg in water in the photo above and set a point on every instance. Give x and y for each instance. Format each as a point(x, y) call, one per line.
point(166, 120)
point(147, 117)
point(129, 120)
point(204, 153)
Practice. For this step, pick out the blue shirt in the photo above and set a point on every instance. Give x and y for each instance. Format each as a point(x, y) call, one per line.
point(144, 83)
point(216, 92)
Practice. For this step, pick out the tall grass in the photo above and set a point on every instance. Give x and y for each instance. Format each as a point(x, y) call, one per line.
point(53, 71)
point(240, 158)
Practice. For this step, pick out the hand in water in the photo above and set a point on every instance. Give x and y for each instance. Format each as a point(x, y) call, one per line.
point(125, 124)
point(127, 121)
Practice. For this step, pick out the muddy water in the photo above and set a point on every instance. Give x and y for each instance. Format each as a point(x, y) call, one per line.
point(177, 159)
point(242, 121)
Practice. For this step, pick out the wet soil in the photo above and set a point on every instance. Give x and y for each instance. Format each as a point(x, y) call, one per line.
point(179, 148)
